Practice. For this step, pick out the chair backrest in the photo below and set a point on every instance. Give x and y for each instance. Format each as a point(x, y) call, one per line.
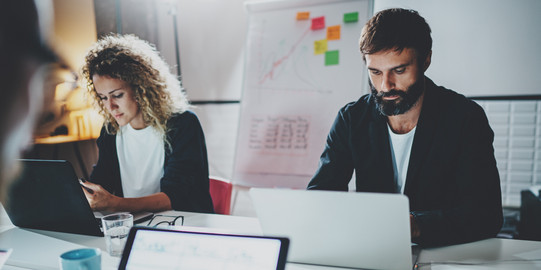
point(220, 191)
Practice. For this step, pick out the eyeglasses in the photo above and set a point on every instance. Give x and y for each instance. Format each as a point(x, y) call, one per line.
point(157, 220)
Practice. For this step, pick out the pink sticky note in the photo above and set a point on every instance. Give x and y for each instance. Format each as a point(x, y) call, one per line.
point(318, 23)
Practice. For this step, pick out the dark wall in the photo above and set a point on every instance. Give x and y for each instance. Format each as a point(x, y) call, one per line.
point(137, 17)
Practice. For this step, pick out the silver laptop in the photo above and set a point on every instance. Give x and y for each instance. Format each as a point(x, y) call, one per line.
point(346, 229)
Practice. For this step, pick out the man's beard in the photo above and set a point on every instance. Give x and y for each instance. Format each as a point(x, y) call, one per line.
point(406, 99)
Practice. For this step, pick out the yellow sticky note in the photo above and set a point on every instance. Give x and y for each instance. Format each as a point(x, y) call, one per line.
point(320, 46)
point(303, 15)
point(333, 32)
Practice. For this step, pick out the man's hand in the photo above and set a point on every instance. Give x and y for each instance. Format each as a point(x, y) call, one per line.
point(415, 231)
point(99, 198)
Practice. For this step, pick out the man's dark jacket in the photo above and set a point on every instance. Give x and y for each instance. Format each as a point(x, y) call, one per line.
point(452, 181)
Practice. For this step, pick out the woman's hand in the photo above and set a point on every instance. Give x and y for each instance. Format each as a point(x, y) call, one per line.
point(99, 198)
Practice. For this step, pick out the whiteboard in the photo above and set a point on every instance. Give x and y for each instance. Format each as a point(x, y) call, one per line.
point(291, 94)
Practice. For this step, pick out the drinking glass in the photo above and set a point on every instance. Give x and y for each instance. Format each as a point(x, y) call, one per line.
point(116, 228)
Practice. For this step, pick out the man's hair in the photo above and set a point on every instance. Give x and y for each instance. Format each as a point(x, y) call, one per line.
point(396, 29)
point(138, 63)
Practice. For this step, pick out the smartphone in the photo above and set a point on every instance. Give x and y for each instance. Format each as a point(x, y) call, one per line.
point(81, 181)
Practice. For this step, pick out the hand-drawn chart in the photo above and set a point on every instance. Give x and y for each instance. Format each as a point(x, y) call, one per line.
point(276, 135)
point(302, 65)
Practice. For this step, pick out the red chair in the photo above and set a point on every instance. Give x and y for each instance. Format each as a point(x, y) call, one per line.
point(220, 192)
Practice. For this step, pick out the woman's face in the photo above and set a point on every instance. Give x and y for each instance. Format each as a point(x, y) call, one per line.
point(119, 99)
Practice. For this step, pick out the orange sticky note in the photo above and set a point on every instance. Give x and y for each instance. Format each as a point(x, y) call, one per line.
point(333, 32)
point(318, 23)
point(303, 15)
point(320, 46)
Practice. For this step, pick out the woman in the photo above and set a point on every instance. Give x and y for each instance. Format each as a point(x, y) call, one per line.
point(152, 153)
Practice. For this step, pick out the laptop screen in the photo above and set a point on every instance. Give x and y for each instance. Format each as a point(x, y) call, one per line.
point(151, 248)
point(48, 196)
point(335, 228)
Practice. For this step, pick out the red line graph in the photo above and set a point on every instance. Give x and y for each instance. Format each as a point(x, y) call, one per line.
point(277, 63)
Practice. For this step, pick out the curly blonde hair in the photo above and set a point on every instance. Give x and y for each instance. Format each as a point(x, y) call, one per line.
point(138, 63)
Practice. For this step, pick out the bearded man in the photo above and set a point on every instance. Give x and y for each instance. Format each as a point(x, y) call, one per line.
point(413, 137)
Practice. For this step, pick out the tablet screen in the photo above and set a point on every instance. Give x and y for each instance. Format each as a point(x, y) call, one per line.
point(166, 249)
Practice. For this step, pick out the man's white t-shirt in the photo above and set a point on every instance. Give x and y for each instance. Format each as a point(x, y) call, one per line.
point(401, 150)
point(141, 156)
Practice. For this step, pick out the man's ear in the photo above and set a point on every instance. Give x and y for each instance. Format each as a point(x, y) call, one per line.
point(428, 60)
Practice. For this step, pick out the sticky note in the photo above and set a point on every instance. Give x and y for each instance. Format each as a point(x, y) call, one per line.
point(333, 32)
point(331, 58)
point(303, 15)
point(320, 46)
point(351, 17)
point(318, 23)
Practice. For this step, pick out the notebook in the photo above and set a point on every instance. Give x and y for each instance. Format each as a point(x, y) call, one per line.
point(155, 248)
point(345, 229)
point(47, 196)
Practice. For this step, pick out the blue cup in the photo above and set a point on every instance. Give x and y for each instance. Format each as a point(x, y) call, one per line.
point(81, 259)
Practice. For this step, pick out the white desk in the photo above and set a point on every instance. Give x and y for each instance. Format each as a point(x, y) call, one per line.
point(38, 243)
point(494, 253)
point(486, 254)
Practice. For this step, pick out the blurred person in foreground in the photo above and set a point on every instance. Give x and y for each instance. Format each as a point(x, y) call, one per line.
point(26, 61)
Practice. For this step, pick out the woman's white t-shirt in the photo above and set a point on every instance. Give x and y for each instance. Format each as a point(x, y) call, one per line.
point(141, 156)
point(401, 150)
